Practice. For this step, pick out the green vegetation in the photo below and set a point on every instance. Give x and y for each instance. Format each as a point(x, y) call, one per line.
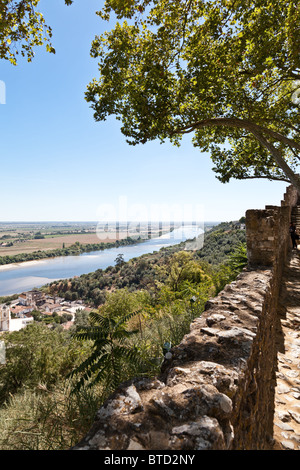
point(51, 319)
point(36, 409)
point(54, 380)
point(39, 236)
point(75, 249)
point(22, 28)
point(226, 72)
point(7, 299)
point(112, 353)
point(220, 242)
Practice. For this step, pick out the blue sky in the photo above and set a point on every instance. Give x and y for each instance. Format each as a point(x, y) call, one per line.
point(56, 163)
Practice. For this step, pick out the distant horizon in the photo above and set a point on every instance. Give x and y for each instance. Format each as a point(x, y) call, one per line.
point(110, 223)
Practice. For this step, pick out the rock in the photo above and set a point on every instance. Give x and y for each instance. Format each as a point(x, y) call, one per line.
point(209, 331)
point(134, 445)
point(292, 373)
point(295, 416)
point(234, 334)
point(148, 384)
point(296, 437)
point(284, 426)
point(283, 389)
point(284, 416)
point(215, 318)
point(288, 445)
point(204, 432)
point(98, 440)
point(196, 428)
point(216, 390)
point(128, 403)
point(160, 403)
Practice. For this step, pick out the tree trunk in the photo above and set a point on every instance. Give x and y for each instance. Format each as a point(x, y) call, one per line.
point(294, 179)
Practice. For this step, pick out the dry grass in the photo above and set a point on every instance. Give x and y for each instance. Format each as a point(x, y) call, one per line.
point(53, 243)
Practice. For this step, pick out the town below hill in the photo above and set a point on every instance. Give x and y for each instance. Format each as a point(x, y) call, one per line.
point(37, 305)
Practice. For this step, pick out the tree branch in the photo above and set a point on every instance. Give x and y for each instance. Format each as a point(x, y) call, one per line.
point(273, 178)
point(257, 131)
point(237, 123)
point(293, 178)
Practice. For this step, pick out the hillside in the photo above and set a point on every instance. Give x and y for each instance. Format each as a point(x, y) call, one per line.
point(146, 307)
point(220, 242)
point(143, 273)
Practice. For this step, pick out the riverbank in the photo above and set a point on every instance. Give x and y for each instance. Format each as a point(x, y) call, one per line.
point(14, 279)
point(73, 250)
point(7, 267)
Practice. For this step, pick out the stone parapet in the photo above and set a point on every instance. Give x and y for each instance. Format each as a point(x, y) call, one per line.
point(268, 236)
point(216, 391)
point(291, 197)
point(268, 239)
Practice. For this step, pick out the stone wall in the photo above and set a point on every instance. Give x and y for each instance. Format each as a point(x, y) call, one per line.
point(216, 391)
point(267, 232)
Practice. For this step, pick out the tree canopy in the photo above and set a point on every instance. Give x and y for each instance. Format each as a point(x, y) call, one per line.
point(22, 28)
point(225, 71)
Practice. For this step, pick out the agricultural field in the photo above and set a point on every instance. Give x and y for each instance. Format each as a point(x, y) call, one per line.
point(17, 238)
point(27, 238)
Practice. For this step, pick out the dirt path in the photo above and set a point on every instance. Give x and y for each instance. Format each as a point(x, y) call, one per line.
point(287, 393)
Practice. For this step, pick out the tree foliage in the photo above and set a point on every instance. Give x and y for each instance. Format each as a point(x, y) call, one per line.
point(224, 70)
point(220, 242)
point(74, 249)
point(36, 356)
point(110, 354)
point(22, 28)
point(181, 273)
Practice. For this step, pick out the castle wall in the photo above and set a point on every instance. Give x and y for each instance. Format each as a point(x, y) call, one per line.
point(217, 389)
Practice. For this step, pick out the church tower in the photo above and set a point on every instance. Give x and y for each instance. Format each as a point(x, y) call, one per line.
point(4, 317)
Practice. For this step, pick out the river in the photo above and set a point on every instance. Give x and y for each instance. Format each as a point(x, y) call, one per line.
point(17, 278)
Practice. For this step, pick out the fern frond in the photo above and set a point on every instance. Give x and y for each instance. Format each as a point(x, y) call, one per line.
point(127, 317)
point(86, 364)
point(91, 333)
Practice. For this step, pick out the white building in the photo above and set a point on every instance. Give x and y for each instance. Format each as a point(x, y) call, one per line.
point(23, 299)
point(12, 324)
point(17, 324)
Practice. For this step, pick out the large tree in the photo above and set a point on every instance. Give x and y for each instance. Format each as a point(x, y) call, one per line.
point(22, 28)
point(225, 71)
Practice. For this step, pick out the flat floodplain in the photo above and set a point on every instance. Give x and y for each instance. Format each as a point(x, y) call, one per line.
point(22, 238)
point(17, 238)
point(52, 243)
